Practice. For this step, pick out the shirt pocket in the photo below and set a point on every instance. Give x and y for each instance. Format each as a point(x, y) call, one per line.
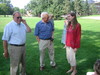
point(43, 29)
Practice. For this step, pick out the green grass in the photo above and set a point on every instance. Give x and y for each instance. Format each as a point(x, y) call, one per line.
point(86, 55)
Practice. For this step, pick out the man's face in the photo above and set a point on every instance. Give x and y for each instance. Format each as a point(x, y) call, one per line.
point(17, 18)
point(45, 18)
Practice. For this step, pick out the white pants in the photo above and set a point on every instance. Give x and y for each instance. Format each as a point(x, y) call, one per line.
point(90, 73)
point(43, 44)
point(17, 59)
point(70, 55)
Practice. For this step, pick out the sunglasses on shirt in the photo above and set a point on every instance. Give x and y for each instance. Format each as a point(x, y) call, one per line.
point(19, 17)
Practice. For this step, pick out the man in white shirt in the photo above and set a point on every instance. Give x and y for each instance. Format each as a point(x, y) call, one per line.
point(14, 38)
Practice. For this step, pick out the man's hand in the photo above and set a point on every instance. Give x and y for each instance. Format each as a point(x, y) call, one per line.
point(53, 37)
point(5, 46)
point(37, 38)
point(28, 28)
point(6, 55)
point(24, 21)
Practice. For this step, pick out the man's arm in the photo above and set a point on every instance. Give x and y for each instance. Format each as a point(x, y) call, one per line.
point(53, 31)
point(28, 28)
point(5, 46)
point(37, 38)
point(53, 34)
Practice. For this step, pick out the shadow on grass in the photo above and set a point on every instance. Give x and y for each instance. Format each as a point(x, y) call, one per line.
point(89, 51)
point(86, 55)
point(4, 73)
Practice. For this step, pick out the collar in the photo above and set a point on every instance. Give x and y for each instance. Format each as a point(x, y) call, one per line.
point(16, 23)
point(44, 22)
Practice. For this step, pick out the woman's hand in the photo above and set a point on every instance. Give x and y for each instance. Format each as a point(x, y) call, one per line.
point(75, 49)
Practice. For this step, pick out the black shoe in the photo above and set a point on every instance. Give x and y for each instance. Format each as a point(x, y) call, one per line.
point(54, 67)
point(42, 68)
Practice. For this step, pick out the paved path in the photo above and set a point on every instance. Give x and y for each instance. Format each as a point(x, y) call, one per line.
point(92, 17)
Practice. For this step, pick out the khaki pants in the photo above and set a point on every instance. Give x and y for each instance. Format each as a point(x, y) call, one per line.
point(17, 59)
point(70, 55)
point(43, 44)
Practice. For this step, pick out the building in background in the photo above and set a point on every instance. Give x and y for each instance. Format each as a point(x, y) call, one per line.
point(96, 3)
point(93, 1)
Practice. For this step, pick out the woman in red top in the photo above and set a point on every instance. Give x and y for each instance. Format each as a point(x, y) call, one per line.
point(72, 41)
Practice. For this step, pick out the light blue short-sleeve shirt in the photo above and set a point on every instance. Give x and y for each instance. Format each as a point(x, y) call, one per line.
point(15, 33)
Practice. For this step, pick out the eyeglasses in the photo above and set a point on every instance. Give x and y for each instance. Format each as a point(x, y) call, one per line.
point(19, 17)
point(46, 18)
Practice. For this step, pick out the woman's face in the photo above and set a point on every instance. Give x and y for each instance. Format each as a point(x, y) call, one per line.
point(70, 18)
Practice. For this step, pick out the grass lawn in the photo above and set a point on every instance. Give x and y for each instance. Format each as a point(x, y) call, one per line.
point(86, 55)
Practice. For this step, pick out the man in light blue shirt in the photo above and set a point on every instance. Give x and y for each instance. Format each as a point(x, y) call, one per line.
point(15, 35)
point(44, 34)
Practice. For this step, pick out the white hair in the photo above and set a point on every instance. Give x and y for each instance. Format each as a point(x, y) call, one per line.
point(44, 13)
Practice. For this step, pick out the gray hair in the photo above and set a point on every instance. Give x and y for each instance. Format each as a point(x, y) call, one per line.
point(15, 13)
point(44, 13)
point(97, 66)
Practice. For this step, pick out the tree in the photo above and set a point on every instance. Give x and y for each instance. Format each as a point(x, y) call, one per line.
point(87, 7)
point(5, 9)
point(33, 6)
point(22, 11)
point(78, 7)
point(16, 9)
point(59, 7)
point(93, 9)
point(72, 5)
point(67, 7)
